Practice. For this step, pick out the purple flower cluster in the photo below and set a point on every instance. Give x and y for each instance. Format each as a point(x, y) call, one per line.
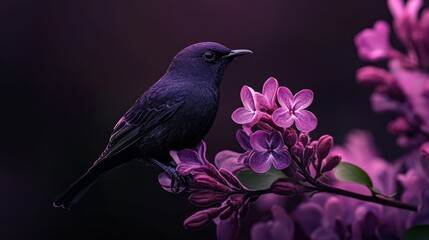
point(404, 90)
point(404, 87)
point(267, 137)
point(269, 142)
point(281, 159)
point(209, 186)
point(262, 108)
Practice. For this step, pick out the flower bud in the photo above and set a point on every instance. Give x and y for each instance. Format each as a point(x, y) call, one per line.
point(297, 150)
point(197, 220)
point(230, 178)
point(304, 139)
point(331, 162)
point(205, 198)
point(290, 137)
point(208, 182)
point(324, 146)
point(286, 188)
point(308, 152)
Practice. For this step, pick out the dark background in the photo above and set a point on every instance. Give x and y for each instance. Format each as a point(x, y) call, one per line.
point(70, 69)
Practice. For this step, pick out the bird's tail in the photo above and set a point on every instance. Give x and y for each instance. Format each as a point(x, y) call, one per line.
point(73, 194)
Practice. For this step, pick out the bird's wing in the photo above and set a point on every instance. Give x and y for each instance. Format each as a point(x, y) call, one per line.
point(136, 123)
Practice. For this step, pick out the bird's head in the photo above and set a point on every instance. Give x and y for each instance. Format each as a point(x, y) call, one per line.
point(205, 61)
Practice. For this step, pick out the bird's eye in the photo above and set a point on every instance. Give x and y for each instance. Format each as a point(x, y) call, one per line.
point(209, 56)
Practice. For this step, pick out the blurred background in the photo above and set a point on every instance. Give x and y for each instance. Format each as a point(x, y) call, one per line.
point(70, 69)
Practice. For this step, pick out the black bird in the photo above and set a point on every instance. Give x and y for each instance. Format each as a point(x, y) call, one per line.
point(173, 114)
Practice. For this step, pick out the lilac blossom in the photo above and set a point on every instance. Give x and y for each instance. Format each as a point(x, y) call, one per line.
point(233, 161)
point(293, 110)
point(280, 228)
point(373, 44)
point(336, 217)
point(267, 99)
point(268, 149)
point(289, 162)
point(248, 114)
point(187, 161)
point(403, 88)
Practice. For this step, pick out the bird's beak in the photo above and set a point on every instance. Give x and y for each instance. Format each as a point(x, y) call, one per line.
point(236, 53)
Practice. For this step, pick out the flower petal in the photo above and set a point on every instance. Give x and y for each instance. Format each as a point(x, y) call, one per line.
point(189, 157)
point(228, 229)
point(243, 116)
point(285, 97)
point(176, 158)
point(281, 159)
point(259, 141)
point(281, 227)
point(324, 233)
point(228, 160)
point(260, 162)
point(305, 121)
point(396, 7)
point(243, 139)
point(373, 44)
point(373, 76)
point(247, 95)
point(185, 169)
point(165, 180)
point(310, 216)
point(283, 118)
point(275, 140)
point(202, 149)
point(383, 103)
point(303, 99)
point(269, 90)
point(262, 103)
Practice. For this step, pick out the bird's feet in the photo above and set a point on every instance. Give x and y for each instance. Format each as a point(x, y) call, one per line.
point(178, 181)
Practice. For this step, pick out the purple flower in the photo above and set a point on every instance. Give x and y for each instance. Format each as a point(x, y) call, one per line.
point(249, 114)
point(187, 161)
point(267, 100)
point(422, 216)
point(331, 217)
point(373, 44)
point(229, 160)
point(233, 161)
point(268, 148)
point(375, 76)
point(280, 228)
point(412, 85)
point(414, 181)
point(293, 110)
point(404, 89)
point(405, 20)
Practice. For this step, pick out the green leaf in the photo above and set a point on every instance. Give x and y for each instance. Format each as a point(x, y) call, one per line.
point(418, 232)
point(348, 172)
point(259, 181)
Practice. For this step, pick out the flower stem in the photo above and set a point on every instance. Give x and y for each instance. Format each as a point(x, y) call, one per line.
point(321, 187)
point(329, 189)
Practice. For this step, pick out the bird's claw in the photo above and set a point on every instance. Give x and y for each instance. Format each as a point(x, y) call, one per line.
point(177, 180)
